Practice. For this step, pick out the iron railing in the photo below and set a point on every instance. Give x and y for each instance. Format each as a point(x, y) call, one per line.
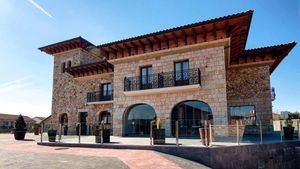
point(100, 96)
point(163, 80)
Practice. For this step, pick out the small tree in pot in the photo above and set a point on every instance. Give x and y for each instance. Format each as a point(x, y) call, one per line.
point(102, 131)
point(289, 129)
point(159, 136)
point(36, 129)
point(20, 128)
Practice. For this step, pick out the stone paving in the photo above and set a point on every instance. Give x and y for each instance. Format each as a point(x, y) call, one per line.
point(27, 154)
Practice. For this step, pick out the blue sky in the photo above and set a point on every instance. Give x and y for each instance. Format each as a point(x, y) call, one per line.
point(26, 73)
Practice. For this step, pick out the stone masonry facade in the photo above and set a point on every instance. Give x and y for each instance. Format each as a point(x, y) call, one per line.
point(212, 91)
point(220, 88)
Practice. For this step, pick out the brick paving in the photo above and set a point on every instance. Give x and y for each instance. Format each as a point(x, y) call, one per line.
point(26, 154)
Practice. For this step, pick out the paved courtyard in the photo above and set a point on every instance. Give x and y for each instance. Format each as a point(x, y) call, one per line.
point(27, 154)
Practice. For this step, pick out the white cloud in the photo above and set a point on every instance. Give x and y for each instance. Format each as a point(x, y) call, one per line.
point(13, 85)
point(40, 8)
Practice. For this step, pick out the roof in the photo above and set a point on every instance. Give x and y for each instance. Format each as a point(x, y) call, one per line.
point(249, 12)
point(235, 26)
point(12, 117)
point(275, 54)
point(66, 45)
point(91, 69)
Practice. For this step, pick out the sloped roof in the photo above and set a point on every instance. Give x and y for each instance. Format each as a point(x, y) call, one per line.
point(12, 117)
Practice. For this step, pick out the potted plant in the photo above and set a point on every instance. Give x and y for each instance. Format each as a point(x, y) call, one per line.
point(159, 136)
point(36, 129)
point(52, 135)
point(20, 128)
point(102, 133)
point(289, 129)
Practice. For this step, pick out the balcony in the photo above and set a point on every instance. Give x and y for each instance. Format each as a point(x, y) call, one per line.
point(163, 82)
point(100, 97)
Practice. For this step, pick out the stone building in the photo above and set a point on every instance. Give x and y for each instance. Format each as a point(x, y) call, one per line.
point(190, 73)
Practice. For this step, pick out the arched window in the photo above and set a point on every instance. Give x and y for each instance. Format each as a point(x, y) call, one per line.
point(190, 116)
point(138, 119)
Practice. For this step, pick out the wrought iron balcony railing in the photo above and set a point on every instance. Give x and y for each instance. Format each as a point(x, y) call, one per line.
point(163, 80)
point(100, 96)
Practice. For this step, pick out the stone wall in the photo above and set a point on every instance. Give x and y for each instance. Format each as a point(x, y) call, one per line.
point(251, 86)
point(210, 61)
point(69, 94)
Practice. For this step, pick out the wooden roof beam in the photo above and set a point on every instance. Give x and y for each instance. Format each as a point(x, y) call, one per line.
point(194, 34)
point(166, 39)
point(175, 38)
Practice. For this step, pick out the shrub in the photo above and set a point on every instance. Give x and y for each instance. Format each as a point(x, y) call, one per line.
point(20, 123)
point(289, 122)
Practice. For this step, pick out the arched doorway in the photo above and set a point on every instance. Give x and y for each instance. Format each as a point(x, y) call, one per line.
point(191, 116)
point(105, 116)
point(83, 123)
point(137, 120)
point(63, 120)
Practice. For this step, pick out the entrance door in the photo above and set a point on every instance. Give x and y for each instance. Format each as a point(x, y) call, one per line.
point(82, 121)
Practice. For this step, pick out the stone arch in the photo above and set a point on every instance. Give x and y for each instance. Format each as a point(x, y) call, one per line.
point(137, 118)
point(191, 115)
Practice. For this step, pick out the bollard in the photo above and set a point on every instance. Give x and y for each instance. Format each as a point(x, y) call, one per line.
point(177, 133)
point(151, 135)
point(237, 133)
point(260, 128)
point(42, 130)
point(205, 133)
point(101, 135)
point(79, 133)
point(210, 134)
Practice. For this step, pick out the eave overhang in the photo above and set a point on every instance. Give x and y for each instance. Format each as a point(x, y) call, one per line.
point(66, 45)
point(235, 26)
point(271, 55)
point(90, 69)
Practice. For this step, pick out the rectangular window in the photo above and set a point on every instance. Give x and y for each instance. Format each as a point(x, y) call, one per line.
point(69, 64)
point(146, 77)
point(106, 91)
point(246, 113)
point(181, 71)
point(63, 67)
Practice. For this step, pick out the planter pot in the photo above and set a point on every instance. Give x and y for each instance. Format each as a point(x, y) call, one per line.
point(52, 135)
point(159, 136)
point(204, 134)
point(19, 134)
point(106, 136)
point(288, 133)
point(36, 131)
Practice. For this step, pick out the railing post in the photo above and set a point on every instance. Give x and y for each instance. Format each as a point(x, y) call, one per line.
point(237, 133)
point(42, 130)
point(177, 132)
point(210, 134)
point(60, 133)
point(281, 134)
point(79, 133)
point(298, 124)
point(151, 135)
point(261, 134)
point(205, 133)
